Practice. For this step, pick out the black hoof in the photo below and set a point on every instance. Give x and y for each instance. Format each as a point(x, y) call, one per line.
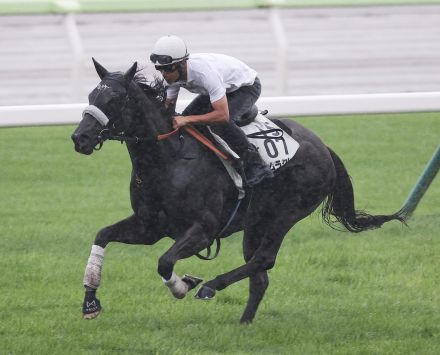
point(245, 321)
point(91, 305)
point(205, 293)
point(191, 281)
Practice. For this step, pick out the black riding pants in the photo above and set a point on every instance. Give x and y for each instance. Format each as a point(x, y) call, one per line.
point(240, 101)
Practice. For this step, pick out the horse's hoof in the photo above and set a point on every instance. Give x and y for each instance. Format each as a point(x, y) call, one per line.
point(205, 293)
point(91, 305)
point(191, 281)
point(90, 316)
point(245, 321)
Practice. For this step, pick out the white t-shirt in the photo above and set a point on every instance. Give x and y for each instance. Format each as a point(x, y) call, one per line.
point(213, 75)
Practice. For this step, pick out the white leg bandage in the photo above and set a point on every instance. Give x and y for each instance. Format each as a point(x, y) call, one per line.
point(92, 275)
point(177, 287)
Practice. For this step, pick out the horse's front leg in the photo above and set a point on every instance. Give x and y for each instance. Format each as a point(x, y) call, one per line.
point(194, 240)
point(131, 230)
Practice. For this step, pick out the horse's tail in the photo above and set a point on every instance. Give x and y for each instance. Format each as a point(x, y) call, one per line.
point(339, 205)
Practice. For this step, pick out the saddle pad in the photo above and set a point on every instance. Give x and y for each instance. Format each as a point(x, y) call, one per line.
point(274, 145)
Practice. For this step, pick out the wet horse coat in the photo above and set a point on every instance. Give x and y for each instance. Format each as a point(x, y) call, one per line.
point(181, 190)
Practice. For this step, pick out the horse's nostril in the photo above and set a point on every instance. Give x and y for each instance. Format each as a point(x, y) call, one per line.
point(80, 138)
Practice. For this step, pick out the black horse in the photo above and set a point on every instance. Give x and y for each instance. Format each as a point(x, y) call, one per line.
point(180, 189)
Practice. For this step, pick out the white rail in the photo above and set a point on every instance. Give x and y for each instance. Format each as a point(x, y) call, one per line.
point(70, 7)
point(37, 115)
point(281, 53)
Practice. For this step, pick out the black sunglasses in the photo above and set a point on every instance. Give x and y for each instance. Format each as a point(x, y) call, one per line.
point(161, 59)
point(166, 68)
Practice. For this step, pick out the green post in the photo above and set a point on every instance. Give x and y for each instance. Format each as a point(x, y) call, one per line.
point(422, 184)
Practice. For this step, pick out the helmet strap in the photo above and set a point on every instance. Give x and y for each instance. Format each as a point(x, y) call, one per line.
point(180, 68)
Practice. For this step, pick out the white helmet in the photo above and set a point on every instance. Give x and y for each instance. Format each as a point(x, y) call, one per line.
point(168, 50)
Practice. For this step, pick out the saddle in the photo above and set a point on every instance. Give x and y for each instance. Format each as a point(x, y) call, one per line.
point(248, 116)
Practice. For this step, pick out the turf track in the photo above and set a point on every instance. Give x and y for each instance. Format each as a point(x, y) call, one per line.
point(53, 6)
point(331, 292)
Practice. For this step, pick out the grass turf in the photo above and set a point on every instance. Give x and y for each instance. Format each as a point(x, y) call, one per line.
point(331, 292)
point(15, 7)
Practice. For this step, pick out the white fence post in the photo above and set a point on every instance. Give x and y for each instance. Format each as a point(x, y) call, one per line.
point(78, 54)
point(281, 54)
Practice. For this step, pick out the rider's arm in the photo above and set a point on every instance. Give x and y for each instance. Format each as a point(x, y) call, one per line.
point(219, 114)
point(214, 85)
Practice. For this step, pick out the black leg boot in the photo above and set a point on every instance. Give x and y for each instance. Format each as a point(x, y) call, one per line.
point(253, 169)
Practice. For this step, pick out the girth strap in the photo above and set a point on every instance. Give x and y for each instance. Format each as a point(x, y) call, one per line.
point(217, 239)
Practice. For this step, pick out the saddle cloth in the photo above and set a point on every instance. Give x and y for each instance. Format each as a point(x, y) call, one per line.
point(274, 145)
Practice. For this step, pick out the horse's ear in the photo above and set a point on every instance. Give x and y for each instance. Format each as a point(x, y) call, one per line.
point(100, 69)
point(129, 74)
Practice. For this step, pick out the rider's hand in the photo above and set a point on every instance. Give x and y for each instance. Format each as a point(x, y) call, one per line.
point(179, 121)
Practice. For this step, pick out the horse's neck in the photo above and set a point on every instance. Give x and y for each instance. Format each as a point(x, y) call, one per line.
point(144, 157)
point(152, 155)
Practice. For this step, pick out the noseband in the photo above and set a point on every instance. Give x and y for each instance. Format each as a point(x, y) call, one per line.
point(108, 133)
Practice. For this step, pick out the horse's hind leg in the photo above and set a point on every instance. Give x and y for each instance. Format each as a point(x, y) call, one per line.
point(260, 261)
point(131, 230)
point(270, 236)
point(258, 282)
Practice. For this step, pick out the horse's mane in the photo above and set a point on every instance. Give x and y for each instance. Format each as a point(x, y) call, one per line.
point(154, 89)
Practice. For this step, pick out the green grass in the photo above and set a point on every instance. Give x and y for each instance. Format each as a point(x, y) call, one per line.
point(8, 7)
point(376, 292)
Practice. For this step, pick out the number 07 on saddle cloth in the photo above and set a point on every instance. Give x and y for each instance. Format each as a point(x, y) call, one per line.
point(275, 146)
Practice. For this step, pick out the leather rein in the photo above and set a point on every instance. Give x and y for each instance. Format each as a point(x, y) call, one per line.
point(189, 129)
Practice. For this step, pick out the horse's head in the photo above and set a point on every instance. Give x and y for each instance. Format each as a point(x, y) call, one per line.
point(104, 116)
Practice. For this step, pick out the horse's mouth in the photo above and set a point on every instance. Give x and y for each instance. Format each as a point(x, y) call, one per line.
point(83, 150)
point(84, 143)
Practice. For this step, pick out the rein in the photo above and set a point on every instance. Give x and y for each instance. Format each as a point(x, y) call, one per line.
point(121, 137)
point(161, 137)
point(189, 129)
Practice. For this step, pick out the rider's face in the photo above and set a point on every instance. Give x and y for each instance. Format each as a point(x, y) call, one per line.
point(170, 73)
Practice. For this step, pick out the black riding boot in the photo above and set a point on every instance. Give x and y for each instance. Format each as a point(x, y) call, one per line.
point(253, 168)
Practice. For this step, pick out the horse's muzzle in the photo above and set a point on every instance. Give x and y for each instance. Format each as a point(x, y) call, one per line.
point(82, 143)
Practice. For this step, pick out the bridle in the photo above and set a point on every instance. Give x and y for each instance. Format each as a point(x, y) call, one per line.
point(106, 134)
point(112, 133)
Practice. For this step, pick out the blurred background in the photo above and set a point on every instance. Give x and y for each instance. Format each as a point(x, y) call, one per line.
point(297, 47)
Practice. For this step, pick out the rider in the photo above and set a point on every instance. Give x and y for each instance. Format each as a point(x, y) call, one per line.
point(227, 89)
